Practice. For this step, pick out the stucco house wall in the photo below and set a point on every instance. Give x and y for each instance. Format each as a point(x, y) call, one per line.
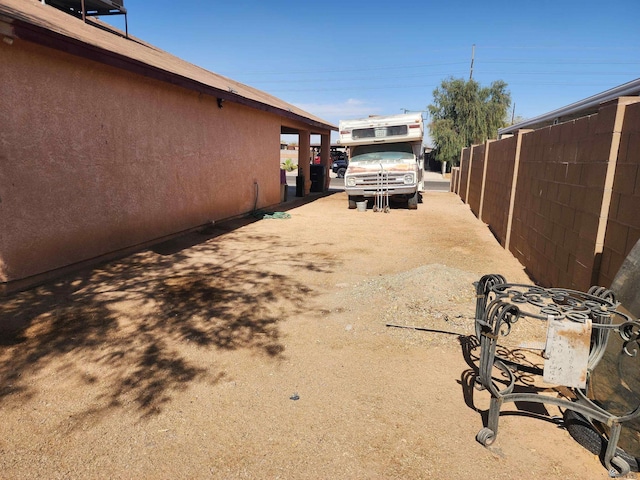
point(96, 159)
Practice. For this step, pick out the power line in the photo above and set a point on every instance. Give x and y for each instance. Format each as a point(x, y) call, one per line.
point(350, 79)
point(355, 69)
point(358, 88)
point(449, 73)
point(557, 62)
point(556, 48)
point(259, 84)
point(590, 73)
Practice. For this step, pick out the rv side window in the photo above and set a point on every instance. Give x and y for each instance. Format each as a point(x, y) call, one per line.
point(363, 133)
point(397, 130)
point(379, 132)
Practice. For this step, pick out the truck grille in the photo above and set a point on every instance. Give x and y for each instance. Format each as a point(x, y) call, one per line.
point(371, 182)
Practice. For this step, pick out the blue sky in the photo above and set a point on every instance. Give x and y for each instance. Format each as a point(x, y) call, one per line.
point(348, 59)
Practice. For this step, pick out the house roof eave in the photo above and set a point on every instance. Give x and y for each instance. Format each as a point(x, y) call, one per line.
point(19, 27)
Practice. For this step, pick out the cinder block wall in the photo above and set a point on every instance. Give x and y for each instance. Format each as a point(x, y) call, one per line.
point(455, 175)
point(498, 183)
point(558, 201)
point(465, 164)
point(572, 225)
point(475, 178)
point(623, 226)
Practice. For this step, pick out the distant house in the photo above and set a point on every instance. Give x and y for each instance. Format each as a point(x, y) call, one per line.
point(581, 108)
point(109, 144)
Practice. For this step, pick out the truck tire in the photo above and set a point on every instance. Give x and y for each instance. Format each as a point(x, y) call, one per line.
point(412, 202)
point(352, 202)
point(586, 435)
point(340, 173)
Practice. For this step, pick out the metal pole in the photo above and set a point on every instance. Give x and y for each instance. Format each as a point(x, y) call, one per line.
point(473, 54)
point(84, 14)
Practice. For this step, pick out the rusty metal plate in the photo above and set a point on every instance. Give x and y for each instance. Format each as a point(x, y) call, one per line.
point(567, 352)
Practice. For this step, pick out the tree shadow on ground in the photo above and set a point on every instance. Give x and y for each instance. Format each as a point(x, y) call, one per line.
point(131, 330)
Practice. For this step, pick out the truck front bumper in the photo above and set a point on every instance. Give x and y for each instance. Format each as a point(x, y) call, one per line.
point(371, 191)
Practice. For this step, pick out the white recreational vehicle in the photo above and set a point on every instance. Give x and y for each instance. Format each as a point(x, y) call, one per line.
point(385, 159)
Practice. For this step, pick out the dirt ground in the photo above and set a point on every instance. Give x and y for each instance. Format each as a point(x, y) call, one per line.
point(260, 349)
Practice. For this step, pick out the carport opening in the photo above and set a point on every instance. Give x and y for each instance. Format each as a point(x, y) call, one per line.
point(301, 151)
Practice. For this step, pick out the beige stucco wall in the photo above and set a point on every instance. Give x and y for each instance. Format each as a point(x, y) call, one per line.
point(94, 159)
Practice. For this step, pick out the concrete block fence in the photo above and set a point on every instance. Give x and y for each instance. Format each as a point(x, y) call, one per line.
point(563, 199)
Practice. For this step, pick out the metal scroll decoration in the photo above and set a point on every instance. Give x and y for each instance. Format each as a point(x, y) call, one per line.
point(501, 305)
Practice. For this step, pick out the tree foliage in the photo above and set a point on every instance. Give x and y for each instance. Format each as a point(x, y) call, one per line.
point(464, 113)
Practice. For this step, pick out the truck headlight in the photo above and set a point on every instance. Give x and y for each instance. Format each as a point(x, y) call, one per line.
point(351, 182)
point(408, 178)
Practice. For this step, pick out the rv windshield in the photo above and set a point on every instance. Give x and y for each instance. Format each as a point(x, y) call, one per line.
point(387, 153)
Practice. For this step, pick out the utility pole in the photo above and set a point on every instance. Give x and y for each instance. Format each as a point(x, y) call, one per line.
point(513, 113)
point(473, 54)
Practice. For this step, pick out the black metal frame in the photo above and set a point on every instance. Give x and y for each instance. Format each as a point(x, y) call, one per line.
point(500, 305)
point(91, 8)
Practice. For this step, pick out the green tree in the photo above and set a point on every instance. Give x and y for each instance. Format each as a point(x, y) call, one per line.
point(464, 113)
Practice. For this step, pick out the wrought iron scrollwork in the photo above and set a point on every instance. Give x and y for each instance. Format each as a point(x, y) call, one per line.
point(629, 332)
point(501, 305)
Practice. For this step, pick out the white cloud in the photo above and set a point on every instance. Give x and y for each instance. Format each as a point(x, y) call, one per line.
point(333, 112)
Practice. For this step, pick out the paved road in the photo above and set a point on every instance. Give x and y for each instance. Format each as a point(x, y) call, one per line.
point(441, 185)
